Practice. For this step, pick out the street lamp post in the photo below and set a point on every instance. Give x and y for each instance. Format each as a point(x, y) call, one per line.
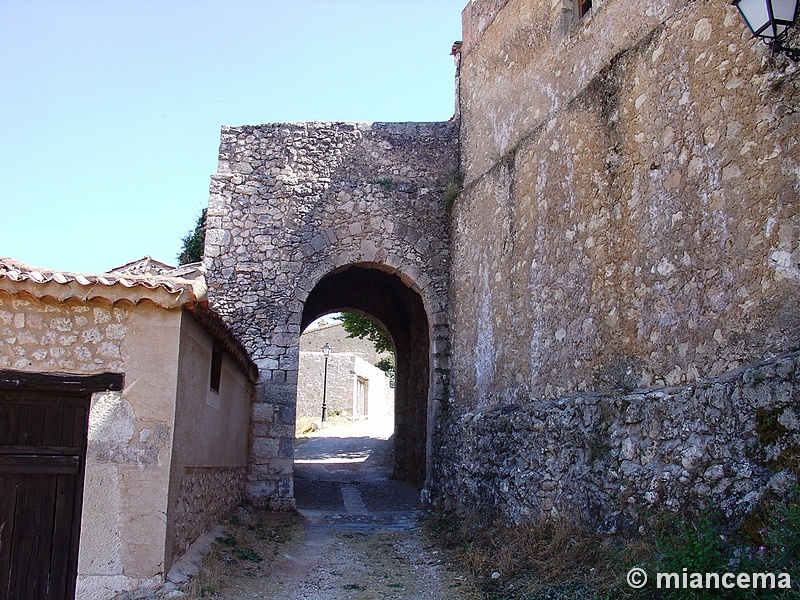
point(326, 351)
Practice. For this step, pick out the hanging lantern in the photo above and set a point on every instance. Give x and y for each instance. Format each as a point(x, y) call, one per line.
point(770, 20)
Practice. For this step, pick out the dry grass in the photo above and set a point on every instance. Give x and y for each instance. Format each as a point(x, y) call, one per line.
point(544, 559)
point(304, 426)
point(208, 579)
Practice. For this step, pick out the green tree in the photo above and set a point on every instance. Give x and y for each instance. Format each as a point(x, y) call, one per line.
point(192, 249)
point(360, 327)
point(386, 364)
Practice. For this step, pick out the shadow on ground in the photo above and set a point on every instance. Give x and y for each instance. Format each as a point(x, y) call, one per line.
point(342, 477)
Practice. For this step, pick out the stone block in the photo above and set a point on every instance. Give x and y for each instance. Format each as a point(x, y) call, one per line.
point(263, 412)
point(260, 493)
point(285, 413)
point(287, 447)
point(267, 364)
point(264, 449)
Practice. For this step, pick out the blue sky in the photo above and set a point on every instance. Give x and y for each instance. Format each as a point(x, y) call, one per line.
point(110, 110)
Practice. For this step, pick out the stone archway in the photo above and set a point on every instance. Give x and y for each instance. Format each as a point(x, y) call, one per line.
point(300, 218)
point(400, 310)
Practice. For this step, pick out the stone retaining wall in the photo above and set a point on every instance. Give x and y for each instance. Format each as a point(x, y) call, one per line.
point(609, 458)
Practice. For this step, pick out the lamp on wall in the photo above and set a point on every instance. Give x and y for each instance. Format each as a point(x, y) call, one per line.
point(770, 20)
point(326, 352)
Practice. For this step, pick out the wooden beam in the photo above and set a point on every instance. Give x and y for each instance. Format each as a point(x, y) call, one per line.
point(63, 383)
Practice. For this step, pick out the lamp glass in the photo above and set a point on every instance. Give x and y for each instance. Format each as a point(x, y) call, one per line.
point(784, 10)
point(326, 350)
point(768, 18)
point(755, 14)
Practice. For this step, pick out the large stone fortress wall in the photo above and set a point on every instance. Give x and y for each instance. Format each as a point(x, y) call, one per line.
point(351, 203)
point(629, 220)
point(631, 207)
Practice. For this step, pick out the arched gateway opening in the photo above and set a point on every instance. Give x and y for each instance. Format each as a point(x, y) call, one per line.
point(369, 290)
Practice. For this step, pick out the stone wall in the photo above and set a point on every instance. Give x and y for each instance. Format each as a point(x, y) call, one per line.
point(610, 458)
point(344, 369)
point(629, 220)
point(292, 204)
point(205, 497)
point(630, 215)
point(341, 384)
point(57, 337)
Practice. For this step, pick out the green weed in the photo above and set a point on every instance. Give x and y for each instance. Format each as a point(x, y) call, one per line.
point(453, 189)
point(247, 554)
point(229, 541)
point(385, 182)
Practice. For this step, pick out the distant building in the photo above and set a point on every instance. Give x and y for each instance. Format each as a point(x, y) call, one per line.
point(355, 387)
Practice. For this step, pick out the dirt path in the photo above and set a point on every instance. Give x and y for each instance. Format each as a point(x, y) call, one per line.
point(331, 563)
point(357, 535)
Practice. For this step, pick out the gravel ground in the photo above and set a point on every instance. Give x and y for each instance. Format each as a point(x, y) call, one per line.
point(356, 535)
point(330, 563)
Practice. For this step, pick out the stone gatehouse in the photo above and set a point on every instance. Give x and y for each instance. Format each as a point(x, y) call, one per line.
point(312, 218)
point(604, 322)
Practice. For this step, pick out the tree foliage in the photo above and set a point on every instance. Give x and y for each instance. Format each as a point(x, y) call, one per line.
point(192, 249)
point(361, 327)
point(386, 364)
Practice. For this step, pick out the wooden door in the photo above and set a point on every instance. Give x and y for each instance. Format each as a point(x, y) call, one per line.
point(43, 434)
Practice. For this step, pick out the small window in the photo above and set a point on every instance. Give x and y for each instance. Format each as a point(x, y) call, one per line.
point(216, 368)
point(583, 7)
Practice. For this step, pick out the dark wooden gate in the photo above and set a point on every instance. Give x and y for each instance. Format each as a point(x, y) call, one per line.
point(43, 428)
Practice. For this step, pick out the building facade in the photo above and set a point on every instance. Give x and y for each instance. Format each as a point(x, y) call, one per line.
point(128, 390)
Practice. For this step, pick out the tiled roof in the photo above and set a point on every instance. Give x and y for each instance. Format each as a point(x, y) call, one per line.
point(169, 289)
point(180, 287)
point(146, 265)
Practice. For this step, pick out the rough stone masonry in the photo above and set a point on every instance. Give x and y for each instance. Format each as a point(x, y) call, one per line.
point(295, 204)
point(610, 312)
point(626, 243)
